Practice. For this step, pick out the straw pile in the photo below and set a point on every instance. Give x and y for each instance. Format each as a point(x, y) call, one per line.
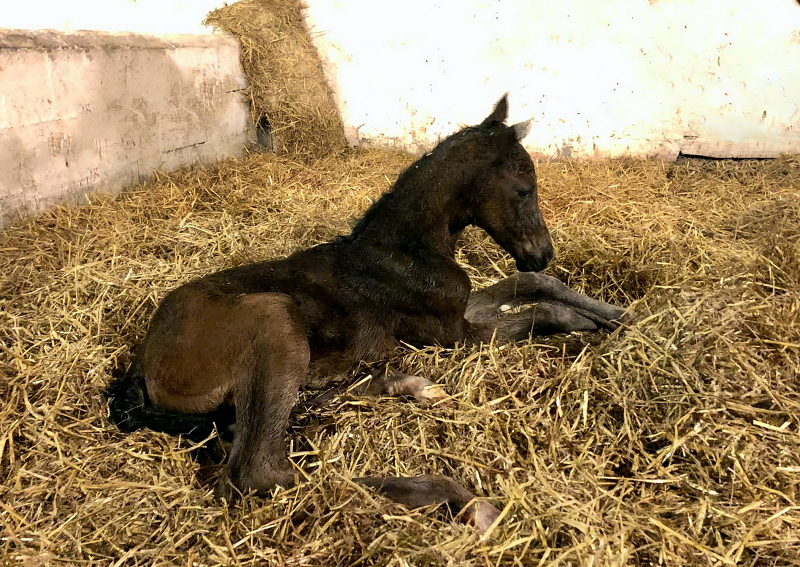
point(674, 442)
point(287, 87)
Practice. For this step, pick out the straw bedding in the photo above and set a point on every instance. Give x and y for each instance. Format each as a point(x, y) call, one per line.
point(672, 442)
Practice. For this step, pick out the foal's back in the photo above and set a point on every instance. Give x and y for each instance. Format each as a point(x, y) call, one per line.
point(355, 298)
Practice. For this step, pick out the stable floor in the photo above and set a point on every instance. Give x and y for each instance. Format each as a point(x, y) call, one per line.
point(675, 441)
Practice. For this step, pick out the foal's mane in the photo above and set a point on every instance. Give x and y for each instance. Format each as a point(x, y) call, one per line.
point(428, 161)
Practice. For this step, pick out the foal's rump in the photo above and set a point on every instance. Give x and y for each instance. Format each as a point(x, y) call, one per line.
point(202, 347)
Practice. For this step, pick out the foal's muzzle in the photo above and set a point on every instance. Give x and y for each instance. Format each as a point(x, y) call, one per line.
point(535, 255)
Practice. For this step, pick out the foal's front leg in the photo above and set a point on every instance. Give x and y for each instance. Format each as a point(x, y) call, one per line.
point(542, 319)
point(559, 309)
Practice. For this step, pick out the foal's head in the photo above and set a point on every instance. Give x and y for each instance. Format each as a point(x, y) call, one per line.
point(504, 197)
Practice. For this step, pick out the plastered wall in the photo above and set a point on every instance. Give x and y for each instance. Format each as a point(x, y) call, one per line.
point(86, 111)
point(82, 111)
point(604, 78)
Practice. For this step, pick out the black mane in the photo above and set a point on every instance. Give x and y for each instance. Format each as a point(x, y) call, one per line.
point(410, 176)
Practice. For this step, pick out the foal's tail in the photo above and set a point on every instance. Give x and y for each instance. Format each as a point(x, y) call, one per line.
point(130, 409)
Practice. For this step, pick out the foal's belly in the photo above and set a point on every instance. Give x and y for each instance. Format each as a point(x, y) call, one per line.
point(333, 361)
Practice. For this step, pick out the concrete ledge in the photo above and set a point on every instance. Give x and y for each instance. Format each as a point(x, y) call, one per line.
point(95, 111)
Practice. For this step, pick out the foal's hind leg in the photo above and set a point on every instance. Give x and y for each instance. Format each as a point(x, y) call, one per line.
point(427, 490)
point(560, 308)
point(391, 382)
point(264, 398)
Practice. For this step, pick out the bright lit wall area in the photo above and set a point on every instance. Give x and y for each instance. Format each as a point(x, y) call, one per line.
point(154, 17)
point(607, 78)
point(96, 95)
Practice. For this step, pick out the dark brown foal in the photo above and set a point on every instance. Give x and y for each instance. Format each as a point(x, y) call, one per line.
point(251, 337)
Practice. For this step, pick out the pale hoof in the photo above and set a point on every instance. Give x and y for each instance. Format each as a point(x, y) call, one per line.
point(481, 515)
point(422, 389)
point(431, 394)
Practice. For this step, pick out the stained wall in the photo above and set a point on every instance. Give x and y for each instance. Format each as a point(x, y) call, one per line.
point(112, 93)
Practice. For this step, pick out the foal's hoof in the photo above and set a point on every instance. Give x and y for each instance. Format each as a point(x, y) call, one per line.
point(609, 317)
point(225, 490)
point(263, 485)
point(422, 389)
point(481, 515)
point(624, 319)
point(628, 317)
point(431, 394)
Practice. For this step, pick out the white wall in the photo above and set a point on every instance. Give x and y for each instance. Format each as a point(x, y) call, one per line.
point(156, 17)
point(602, 78)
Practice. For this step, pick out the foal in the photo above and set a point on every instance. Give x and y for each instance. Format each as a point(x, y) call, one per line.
point(250, 337)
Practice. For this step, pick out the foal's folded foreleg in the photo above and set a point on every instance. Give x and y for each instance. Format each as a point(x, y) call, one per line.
point(542, 319)
point(561, 309)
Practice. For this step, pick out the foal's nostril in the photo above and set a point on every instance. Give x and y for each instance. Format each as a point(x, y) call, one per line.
point(542, 254)
point(544, 251)
point(549, 253)
point(529, 249)
point(535, 255)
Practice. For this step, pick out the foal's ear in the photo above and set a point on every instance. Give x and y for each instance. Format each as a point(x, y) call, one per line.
point(522, 129)
point(510, 135)
point(499, 114)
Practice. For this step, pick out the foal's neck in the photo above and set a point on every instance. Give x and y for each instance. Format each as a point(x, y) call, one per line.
point(422, 212)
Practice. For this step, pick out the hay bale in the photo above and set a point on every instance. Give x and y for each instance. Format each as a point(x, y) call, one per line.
point(287, 85)
point(674, 442)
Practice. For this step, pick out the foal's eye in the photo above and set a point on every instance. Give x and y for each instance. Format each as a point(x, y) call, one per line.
point(524, 193)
